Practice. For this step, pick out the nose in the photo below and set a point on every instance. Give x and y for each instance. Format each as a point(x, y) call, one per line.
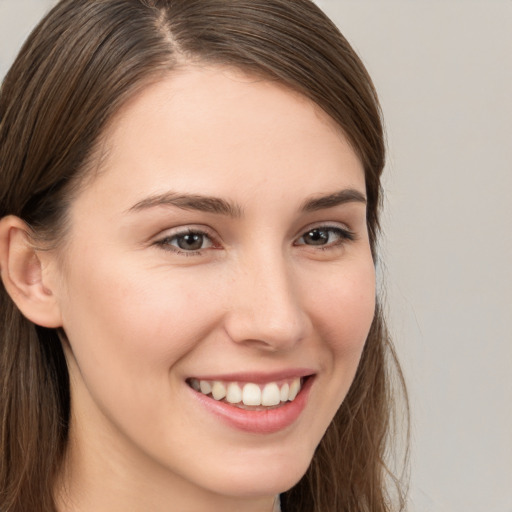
point(265, 306)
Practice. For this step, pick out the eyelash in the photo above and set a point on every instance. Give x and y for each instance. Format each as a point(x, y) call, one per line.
point(165, 243)
point(345, 235)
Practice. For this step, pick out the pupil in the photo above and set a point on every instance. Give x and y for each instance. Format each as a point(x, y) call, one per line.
point(190, 242)
point(317, 237)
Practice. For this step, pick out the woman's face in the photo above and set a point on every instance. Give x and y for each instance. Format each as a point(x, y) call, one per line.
point(221, 248)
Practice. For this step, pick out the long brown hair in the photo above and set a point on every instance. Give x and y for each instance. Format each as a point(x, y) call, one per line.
point(78, 67)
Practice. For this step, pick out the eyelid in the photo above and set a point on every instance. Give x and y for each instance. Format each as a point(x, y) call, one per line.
point(185, 229)
point(327, 225)
point(345, 233)
point(162, 238)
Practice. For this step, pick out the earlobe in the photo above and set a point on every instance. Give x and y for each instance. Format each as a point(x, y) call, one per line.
point(23, 276)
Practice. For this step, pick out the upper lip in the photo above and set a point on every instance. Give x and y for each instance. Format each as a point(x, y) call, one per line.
point(258, 377)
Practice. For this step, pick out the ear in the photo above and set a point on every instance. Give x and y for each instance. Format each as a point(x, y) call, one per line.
point(25, 275)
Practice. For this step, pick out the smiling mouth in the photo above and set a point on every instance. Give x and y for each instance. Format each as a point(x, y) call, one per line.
point(249, 395)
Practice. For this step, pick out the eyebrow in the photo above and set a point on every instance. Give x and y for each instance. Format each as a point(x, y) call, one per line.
point(220, 206)
point(349, 195)
point(190, 202)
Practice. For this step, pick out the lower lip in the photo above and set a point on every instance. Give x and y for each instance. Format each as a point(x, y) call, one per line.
point(258, 422)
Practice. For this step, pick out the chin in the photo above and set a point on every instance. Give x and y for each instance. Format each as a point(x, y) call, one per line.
point(258, 478)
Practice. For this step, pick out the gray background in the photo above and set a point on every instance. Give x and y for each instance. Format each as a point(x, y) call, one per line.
point(444, 73)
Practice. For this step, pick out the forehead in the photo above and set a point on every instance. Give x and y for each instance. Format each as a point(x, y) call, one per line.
point(215, 128)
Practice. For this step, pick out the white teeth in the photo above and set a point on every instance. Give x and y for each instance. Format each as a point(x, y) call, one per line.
point(285, 390)
point(251, 394)
point(234, 393)
point(271, 394)
point(206, 387)
point(294, 389)
point(218, 390)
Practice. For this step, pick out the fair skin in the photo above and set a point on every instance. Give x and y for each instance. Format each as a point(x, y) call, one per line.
point(155, 296)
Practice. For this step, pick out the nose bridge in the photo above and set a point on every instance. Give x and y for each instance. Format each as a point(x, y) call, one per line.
point(266, 307)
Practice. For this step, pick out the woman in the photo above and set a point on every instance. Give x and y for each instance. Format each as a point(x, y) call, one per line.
point(189, 203)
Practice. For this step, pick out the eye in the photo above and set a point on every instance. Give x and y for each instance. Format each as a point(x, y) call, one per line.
point(189, 241)
point(325, 236)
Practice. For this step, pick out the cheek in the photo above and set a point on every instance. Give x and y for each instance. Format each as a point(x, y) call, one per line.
point(344, 310)
point(128, 332)
point(134, 322)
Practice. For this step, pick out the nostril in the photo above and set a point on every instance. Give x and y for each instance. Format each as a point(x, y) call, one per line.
point(266, 310)
point(263, 332)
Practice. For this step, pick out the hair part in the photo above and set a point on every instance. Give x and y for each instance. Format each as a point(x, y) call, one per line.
point(82, 63)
